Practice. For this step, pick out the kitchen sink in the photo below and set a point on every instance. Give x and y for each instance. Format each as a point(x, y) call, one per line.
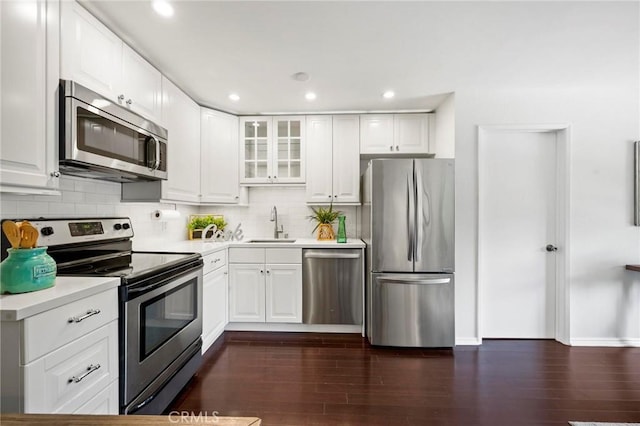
point(271, 240)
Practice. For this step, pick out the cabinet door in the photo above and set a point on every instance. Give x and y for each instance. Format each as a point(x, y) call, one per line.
point(28, 97)
point(376, 133)
point(214, 306)
point(288, 149)
point(181, 116)
point(411, 133)
point(141, 85)
point(346, 159)
point(219, 177)
point(319, 159)
point(91, 54)
point(246, 292)
point(284, 293)
point(255, 150)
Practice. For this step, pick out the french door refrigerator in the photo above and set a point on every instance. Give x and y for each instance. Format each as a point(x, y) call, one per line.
point(408, 225)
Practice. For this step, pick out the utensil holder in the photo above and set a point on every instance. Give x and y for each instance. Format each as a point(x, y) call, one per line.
point(26, 270)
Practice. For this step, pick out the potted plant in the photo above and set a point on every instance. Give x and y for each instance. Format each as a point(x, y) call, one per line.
point(197, 223)
point(325, 218)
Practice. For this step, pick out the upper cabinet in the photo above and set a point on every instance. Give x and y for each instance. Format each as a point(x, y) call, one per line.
point(272, 150)
point(30, 73)
point(219, 176)
point(333, 159)
point(391, 134)
point(96, 58)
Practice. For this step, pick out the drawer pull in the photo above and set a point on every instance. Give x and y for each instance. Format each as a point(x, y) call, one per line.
point(90, 313)
point(90, 369)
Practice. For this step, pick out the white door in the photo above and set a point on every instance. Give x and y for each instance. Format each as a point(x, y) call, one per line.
point(319, 159)
point(517, 220)
point(214, 306)
point(284, 293)
point(246, 292)
point(141, 85)
point(346, 159)
point(219, 160)
point(411, 133)
point(376, 133)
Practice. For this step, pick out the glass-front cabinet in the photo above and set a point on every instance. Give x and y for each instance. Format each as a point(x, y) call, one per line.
point(272, 150)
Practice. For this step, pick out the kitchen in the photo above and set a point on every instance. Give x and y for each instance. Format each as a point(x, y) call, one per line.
point(491, 88)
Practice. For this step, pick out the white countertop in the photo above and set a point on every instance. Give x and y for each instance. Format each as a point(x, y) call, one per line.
point(15, 307)
point(205, 248)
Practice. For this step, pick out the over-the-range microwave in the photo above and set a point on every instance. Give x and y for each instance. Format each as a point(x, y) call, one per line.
point(102, 140)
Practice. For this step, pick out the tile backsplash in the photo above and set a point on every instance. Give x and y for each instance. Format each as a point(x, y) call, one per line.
point(81, 197)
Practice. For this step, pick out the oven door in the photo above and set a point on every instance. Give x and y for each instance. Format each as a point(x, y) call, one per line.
point(159, 325)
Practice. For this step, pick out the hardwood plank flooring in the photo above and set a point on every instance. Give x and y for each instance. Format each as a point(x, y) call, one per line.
point(339, 379)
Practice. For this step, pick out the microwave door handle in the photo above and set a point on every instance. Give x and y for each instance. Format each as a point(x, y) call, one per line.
point(157, 163)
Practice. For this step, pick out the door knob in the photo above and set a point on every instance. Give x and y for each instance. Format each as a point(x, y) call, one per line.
point(551, 247)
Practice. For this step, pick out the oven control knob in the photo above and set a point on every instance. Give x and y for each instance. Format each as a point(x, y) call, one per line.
point(46, 231)
point(125, 226)
point(117, 227)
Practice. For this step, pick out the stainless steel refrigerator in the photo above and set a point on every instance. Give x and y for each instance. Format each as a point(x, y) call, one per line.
point(408, 225)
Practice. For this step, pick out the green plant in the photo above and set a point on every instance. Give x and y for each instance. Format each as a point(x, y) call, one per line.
point(201, 222)
point(324, 215)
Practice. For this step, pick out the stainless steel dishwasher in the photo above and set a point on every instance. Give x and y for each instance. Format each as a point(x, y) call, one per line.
point(332, 286)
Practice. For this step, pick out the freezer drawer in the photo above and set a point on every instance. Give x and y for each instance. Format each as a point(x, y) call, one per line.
point(411, 310)
point(332, 286)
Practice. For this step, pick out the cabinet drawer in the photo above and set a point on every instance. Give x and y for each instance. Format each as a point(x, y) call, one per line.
point(284, 255)
point(56, 327)
point(105, 402)
point(66, 379)
point(246, 255)
point(214, 261)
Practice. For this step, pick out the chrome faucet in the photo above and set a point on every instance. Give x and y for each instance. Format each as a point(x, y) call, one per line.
point(274, 218)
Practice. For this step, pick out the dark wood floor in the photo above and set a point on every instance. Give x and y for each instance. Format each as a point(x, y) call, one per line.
point(339, 379)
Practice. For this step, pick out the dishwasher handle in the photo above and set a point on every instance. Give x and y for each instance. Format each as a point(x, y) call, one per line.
point(320, 255)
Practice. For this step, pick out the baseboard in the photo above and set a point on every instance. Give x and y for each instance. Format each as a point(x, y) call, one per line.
point(606, 342)
point(288, 327)
point(471, 341)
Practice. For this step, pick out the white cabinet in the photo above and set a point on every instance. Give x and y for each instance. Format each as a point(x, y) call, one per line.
point(333, 159)
point(29, 35)
point(219, 175)
point(181, 116)
point(96, 58)
point(265, 285)
point(214, 298)
point(272, 150)
point(64, 360)
point(395, 133)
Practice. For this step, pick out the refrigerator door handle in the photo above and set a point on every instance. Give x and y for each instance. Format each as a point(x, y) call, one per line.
point(423, 215)
point(410, 219)
point(399, 280)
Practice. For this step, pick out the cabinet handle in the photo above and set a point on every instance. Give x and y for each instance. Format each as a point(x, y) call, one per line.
point(236, 197)
point(268, 271)
point(329, 196)
point(335, 196)
point(129, 102)
point(55, 174)
point(90, 313)
point(90, 369)
point(397, 148)
point(120, 98)
point(391, 148)
point(261, 271)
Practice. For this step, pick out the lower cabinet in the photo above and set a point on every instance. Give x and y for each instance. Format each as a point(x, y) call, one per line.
point(214, 298)
point(265, 285)
point(64, 360)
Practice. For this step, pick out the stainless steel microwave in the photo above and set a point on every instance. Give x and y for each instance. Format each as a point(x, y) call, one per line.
point(103, 140)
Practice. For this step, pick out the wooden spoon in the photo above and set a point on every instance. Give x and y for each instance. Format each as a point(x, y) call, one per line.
point(29, 235)
point(12, 231)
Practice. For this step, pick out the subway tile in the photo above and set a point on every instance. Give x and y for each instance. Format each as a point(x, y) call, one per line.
point(8, 208)
point(72, 197)
point(86, 209)
point(66, 183)
point(32, 209)
point(86, 186)
point(62, 209)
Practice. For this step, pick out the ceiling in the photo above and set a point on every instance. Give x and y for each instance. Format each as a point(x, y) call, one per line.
point(352, 51)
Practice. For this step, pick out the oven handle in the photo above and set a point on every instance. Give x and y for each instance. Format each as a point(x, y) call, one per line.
point(143, 403)
point(138, 291)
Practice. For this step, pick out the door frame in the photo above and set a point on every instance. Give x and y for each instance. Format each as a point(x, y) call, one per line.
point(563, 138)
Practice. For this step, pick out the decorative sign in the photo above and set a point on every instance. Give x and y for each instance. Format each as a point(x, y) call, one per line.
point(219, 235)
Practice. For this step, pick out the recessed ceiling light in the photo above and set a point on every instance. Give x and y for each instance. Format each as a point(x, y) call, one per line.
point(388, 94)
point(310, 96)
point(234, 97)
point(163, 8)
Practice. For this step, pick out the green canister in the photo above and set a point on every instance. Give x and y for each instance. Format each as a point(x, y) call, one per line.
point(27, 269)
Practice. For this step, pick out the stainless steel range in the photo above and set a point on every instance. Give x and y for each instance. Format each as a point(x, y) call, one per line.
point(160, 304)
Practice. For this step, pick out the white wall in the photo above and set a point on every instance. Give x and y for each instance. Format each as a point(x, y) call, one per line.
point(546, 62)
point(445, 129)
point(292, 213)
point(92, 198)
